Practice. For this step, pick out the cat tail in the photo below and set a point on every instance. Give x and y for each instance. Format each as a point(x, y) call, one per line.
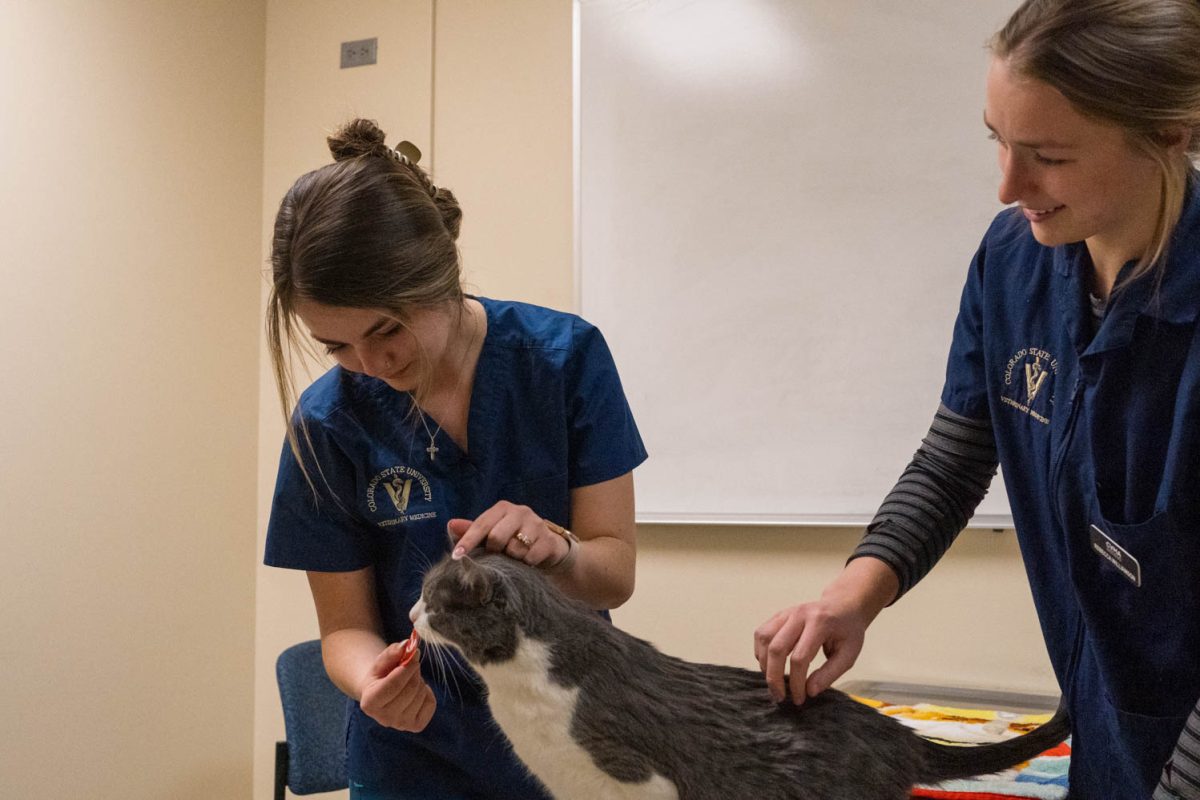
point(945, 762)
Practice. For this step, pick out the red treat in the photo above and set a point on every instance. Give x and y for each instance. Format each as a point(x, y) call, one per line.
point(410, 648)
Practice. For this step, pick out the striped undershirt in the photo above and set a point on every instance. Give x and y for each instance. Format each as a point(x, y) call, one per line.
point(930, 505)
point(935, 496)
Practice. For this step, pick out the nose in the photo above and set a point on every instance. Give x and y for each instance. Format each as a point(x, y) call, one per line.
point(373, 359)
point(1014, 177)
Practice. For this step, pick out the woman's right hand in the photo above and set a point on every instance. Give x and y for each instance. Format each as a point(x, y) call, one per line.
point(787, 643)
point(394, 694)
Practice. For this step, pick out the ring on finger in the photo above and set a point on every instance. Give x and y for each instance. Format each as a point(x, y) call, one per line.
point(523, 539)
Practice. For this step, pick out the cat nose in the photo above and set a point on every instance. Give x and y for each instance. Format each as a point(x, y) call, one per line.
point(416, 610)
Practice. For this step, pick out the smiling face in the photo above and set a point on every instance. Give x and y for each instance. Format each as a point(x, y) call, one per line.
point(375, 342)
point(1075, 178)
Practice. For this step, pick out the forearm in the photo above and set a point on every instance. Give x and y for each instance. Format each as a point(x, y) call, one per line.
point(867, 585)
point(1181, 777)
point(348, 654)
point(934, 498)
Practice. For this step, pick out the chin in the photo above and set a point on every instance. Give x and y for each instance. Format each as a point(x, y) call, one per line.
point(399, 385)
point(1049, 236)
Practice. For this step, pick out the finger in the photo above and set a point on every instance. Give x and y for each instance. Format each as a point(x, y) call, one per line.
point(426, 711)
point(515, 548)
point(804, 651)
point(763, 635)
point(398, 683)
point(406, 708)
point(457, 527)
point(778, 652)
point(387, 660)
point(548, 549)
point(841, 659)
point(477, 530)
point(503, 531)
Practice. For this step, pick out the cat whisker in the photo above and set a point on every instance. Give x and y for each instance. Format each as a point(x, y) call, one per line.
point(446, 672)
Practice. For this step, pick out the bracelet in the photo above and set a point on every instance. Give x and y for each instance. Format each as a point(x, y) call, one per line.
point(567, 561)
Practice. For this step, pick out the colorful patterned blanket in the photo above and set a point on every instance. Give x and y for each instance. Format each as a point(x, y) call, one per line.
point(1043, 778)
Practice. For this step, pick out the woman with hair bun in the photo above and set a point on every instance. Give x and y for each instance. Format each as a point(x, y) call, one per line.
point(501, 424)
point(1075, 366)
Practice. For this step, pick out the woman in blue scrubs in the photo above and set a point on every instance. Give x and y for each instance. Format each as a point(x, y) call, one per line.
point(501, 424)
point(1075, 366)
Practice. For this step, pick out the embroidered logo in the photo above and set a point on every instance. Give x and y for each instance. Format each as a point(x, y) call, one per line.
point(1035, 376)
point(1037, 365)
point(399, 489)
point(399, 483)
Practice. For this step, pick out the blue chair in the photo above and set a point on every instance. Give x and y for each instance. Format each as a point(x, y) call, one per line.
point(313, 758)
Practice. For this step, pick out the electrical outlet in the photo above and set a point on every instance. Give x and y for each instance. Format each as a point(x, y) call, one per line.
point(359, 53)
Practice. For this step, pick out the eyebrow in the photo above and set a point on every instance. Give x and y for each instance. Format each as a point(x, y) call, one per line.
point(381, 323)
point(1049, 144)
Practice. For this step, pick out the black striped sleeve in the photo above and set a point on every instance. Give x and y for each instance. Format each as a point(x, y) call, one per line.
point(1181, 777)
point(935, 497)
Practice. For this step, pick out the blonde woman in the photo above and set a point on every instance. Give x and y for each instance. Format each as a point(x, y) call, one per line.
point(1075, 366)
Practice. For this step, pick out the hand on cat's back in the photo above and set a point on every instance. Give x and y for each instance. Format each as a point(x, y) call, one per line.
point(837, 624)
point(396, 695)
point(787, 643)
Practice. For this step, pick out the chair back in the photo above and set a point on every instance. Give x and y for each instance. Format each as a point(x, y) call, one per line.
point(314, 718)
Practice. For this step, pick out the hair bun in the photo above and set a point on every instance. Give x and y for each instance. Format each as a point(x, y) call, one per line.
point(358, 137)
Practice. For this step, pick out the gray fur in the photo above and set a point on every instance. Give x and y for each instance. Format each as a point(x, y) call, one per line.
point(711, 730)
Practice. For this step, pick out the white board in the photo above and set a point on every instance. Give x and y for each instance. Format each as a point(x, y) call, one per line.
point(778, 203)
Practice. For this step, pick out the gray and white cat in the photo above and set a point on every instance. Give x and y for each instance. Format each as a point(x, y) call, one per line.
point(596, 713)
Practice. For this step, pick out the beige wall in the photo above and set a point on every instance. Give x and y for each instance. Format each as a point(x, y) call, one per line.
point(130, 206)
point(503, 141)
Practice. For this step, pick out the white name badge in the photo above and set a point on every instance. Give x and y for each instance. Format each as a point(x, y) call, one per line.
point(1118, 556)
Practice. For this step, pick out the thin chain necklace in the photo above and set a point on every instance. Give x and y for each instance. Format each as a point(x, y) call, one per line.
point(433, 448)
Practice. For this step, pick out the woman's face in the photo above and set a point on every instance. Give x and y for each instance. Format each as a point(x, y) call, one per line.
point(374, 342)
point(1074, 178)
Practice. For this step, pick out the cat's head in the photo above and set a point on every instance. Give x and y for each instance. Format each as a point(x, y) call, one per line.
point(476, 604)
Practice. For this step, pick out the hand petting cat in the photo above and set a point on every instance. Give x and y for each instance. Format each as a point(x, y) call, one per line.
point(393, 693)
point(512, 529)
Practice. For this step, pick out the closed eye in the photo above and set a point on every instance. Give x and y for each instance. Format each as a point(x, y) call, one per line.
point(1038, 157)
point(392, 331)
point(384, 333)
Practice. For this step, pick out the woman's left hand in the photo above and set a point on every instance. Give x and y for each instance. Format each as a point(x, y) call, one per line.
point(511, 529)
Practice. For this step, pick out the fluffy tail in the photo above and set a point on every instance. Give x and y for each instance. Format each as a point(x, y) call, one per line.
point(944, 762)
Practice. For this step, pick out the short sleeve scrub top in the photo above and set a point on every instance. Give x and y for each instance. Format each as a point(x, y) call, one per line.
point(547, 415)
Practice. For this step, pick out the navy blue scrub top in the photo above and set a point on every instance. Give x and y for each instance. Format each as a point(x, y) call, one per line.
point(547, 415)
point(1099, 442)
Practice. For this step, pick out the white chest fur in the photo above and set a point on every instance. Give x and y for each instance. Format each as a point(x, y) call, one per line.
point(535, 713)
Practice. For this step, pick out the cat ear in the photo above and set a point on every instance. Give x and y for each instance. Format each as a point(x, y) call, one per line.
point(476, 581)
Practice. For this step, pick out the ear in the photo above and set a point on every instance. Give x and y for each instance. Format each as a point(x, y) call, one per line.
point(479, 583)
point(1175, 138)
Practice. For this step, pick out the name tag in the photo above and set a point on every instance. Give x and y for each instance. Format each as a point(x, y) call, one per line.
point(1118, 556)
